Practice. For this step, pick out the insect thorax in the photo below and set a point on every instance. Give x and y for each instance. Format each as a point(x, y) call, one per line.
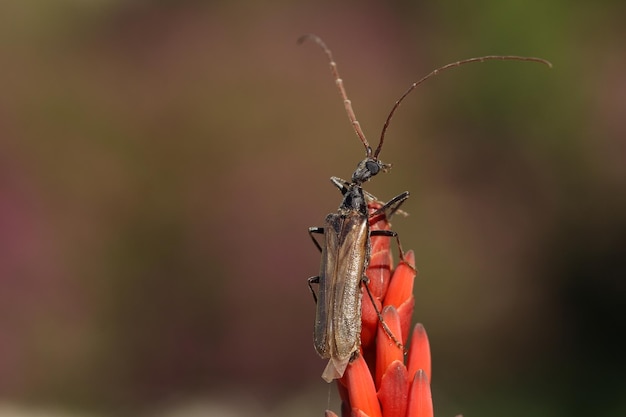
point(354, 200)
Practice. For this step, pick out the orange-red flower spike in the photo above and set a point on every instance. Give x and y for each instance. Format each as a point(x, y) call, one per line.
point(405, 312)
point(387, 350)
point(378, 272)
point(394, 390)
point(369, 318)
point(381, 258)
point(420, 399)
point(360, 385)
point(401, 284)
point(419, 352)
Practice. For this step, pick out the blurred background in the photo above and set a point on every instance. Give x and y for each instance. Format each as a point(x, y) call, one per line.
point(161, 161)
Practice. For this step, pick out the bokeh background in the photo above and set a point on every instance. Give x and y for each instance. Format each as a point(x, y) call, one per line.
point(160, 162)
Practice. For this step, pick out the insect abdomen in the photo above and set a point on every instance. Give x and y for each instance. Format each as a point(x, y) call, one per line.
point(338, 316)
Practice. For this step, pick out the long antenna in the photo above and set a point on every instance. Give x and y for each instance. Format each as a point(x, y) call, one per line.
point(339, 82)
point(444, 68)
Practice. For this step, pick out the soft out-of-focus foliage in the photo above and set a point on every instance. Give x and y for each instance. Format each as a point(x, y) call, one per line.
point(161, 161)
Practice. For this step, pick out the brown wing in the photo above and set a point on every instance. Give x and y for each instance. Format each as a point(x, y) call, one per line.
point(350, 269)
point(338, 318)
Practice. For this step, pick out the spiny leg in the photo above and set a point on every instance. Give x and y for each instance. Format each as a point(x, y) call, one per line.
point(391, 233)
point(317, 230)
point(381, 320)
point(313, 280)
point(392, 206)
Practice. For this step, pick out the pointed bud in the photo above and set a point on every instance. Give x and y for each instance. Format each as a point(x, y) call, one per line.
point(401, 284)
point(394, 390)
point(419, 352)
point(420, 399)
point(361, 390)
point(387, 349)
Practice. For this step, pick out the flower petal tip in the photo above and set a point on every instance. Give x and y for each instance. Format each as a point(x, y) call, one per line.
point(420, 398)
point(419, 358)
point(394, 390)
point(361, 389)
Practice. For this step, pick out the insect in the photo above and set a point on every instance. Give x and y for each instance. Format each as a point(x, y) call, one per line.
point(346, 247)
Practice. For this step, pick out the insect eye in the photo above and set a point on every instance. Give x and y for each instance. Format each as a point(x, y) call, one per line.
point(372, 167)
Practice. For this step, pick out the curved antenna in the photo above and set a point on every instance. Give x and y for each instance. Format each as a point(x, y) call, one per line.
point(339, 82)
point(446, 67)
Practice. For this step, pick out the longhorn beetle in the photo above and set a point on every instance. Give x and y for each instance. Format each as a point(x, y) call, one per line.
point(346, 247)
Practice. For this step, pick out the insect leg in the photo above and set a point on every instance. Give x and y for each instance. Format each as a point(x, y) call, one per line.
point(391, 233)
point(318, 230)
point(340, 183)
point(313, 280)
point(392, 206)
point(365, 280)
